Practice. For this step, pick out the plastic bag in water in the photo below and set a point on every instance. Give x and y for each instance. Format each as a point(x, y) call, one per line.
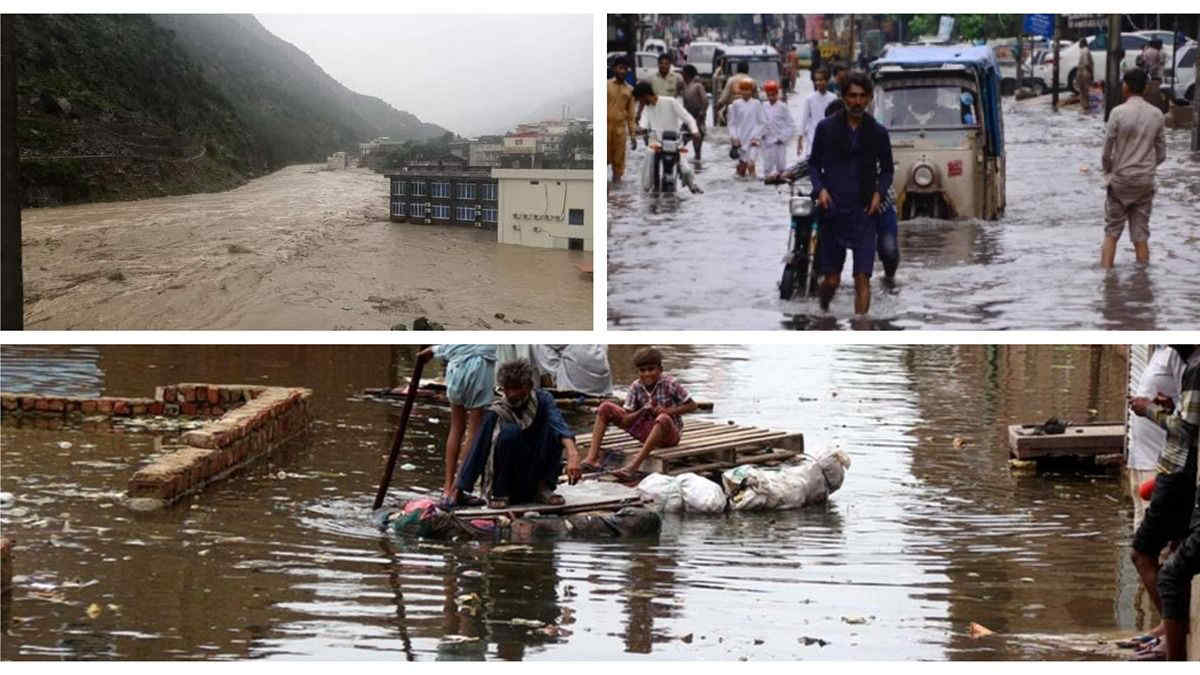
point(811, 482)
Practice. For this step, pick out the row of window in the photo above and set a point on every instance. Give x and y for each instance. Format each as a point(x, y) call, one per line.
point(441, 189)
point(441, 211)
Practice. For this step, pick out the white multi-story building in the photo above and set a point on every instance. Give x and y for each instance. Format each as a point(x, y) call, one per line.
point(545, 208)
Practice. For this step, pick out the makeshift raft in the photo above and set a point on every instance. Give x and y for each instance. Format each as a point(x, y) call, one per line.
point(705, 446)
point(592, 510)
point(1099, 442)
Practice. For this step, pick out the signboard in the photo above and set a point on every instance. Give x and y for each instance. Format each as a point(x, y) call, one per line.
point(1040, 24)
point(814, 26)
point(945, 28)
point(1086, 21)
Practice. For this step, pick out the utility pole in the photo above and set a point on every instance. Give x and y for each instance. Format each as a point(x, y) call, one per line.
point(1112, 79)
point(12, 316)
point(1054, 77)
point(850, 57)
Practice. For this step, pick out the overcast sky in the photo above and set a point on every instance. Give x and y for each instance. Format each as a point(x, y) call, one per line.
point(468, 73)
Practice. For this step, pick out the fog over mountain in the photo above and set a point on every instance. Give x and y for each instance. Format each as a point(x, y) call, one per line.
point(470, 74)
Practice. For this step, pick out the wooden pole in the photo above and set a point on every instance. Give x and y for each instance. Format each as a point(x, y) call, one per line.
point(12, 285)
point(399, 438)
point(1054, 77)
point(1112, 79)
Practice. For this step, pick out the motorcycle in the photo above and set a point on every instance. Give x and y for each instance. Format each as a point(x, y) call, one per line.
point(665, 171)
point(799, 273)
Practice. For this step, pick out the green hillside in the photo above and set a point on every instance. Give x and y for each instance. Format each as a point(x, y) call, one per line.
point(128, 106)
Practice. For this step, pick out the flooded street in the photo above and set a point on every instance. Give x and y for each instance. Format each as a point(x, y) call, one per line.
point(930, 532)
point(301, 248)
point(1035, 268)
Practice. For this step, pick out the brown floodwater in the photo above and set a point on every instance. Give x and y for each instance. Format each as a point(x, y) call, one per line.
point(279, 561)
point(301, 248)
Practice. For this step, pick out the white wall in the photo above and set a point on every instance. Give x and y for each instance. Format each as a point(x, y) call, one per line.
point(535, 206)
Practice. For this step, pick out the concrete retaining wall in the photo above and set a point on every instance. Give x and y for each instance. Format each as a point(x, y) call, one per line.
point(251, 421)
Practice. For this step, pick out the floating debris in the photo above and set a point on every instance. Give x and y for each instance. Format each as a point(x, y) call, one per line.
point(976, 631)
point(94, 611)
point(65, 445)
point(854, 620)
point(407, 467)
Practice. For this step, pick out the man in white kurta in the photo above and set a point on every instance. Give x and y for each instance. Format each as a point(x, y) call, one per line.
point(1163, 375)
point(659, 114)
point(777, 132)
point(812, 111)
point(746, 126)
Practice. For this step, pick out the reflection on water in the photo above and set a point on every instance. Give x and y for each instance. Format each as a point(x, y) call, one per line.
point(927, 535)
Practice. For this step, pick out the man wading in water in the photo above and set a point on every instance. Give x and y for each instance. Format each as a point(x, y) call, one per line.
point(851, 169)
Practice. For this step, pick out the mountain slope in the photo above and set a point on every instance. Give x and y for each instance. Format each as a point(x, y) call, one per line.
point(130, 106)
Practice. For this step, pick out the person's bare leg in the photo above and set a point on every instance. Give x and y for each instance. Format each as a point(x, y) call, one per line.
point(1142, 250)
point(829, 286)
point(1176, 634)
point(862, 294)
point(598, 430)
point(474, 420)
point(458, 423)
point(1147, 569)
point(1108, 251)
point(656, 439)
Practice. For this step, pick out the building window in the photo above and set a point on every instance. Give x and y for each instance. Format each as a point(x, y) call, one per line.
point(418, 188)
point(489, 215)
point(575, 217)
point(416, 209)
point(397, 186)
point(441, 212)
point(487, 192)
point(397, 207)
point(466, 191)
point(440, 189)
point(464, 214)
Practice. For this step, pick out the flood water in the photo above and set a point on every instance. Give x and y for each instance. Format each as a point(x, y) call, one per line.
point(1037, 267)
point(927, 534)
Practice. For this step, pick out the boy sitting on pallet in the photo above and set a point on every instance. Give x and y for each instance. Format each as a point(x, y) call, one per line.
point(652, 414)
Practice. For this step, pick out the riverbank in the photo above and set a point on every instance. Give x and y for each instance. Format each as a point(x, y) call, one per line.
point(301, 248)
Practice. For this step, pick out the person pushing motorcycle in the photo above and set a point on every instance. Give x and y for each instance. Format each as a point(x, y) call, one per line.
point(659, 114)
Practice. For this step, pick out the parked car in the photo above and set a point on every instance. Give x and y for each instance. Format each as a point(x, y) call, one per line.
point(655, 45)
point(700, 55)
point(1184, 70)
point(1132, 43)
point(645, 64)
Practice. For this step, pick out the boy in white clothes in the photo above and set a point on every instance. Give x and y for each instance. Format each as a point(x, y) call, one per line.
point(778, 130)
point(746, 124)
point(813, 111)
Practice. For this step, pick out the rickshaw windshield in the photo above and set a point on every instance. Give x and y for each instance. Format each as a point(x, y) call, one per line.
point(926, 106)
point(762, 71)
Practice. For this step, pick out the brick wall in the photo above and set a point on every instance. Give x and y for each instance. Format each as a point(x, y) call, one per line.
point(251, 420)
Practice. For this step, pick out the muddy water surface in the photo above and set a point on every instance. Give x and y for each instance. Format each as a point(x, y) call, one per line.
point(713, 261)
point(926, 536)
point(302, 248)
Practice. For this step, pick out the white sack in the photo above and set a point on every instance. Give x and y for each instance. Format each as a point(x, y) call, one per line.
point(665, 491)
point(752, 488)
point(701, 495)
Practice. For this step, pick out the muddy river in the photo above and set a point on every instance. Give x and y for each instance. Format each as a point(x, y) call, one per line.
point(302, 248)
point(927, 535)
point(1036, 268)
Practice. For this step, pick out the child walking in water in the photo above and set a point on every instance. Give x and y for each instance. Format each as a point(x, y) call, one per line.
point(746, 123)
point(777, 132)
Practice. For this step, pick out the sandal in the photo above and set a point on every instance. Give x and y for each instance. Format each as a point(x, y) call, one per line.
point(588, 467)
point(498, 503)
point(551, 499)
point(629, 475)
point(1133, 642)
point(465, 499)
point(1154, 650)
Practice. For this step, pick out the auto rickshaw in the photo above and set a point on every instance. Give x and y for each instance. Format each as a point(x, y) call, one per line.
point(941, 106)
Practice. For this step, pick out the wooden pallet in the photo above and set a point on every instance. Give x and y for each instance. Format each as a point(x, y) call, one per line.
point(1078, 440)
point(705, 446)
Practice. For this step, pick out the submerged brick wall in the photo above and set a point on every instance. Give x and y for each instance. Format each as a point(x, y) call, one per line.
point(251, 421)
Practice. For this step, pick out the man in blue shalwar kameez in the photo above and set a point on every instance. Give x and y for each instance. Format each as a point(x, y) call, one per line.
point(851, 169)
point(519, 448)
